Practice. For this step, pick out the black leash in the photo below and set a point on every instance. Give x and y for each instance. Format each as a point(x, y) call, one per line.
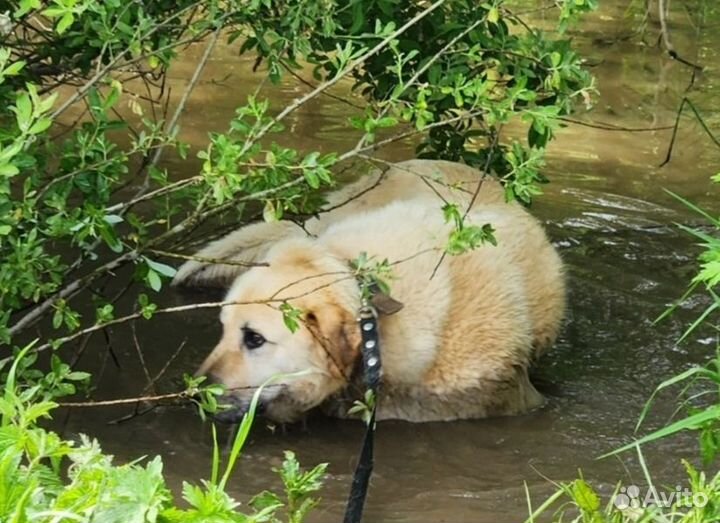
point(372, 372)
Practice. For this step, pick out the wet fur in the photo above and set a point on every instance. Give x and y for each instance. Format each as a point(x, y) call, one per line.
point(461, 346)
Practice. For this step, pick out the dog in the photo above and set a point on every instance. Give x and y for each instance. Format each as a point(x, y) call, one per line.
point(470, 327)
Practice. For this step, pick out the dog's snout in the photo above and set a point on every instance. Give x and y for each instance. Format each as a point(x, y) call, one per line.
point(211, 378)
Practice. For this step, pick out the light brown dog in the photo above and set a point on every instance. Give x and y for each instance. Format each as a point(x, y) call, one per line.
point(460, 347)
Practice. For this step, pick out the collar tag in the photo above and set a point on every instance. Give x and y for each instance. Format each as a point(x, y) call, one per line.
point(383, 302)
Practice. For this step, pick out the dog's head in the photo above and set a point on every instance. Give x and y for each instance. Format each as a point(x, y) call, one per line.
point(257, 345)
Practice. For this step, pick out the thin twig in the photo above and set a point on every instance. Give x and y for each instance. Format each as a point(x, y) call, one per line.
point(165, 367)
point(310, 85)
point(153, 398)
point(612, 127)
point(141, 357)
point(485, 170)
point(125, 401)
point(351, 67)
point(82, 91)
point(686, 101)
point(274, 299)
point(356, 151)
point(666, 38)
point(216, 261)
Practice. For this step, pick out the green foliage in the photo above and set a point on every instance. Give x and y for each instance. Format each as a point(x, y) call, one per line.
point(456, 72)
point(708, 276)
point(372, 276)
point(699, 398)
point(578, 502)
point(364, 408)
point(300, 486)
point(44, 478)
point(291, 316)
point(698, 382)
point(704, 420)
point(466, 236)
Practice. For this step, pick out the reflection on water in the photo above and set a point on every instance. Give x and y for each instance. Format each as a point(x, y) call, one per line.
point(610, 216)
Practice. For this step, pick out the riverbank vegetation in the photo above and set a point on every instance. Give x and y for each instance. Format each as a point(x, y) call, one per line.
point(86, 197)
point(698, 409)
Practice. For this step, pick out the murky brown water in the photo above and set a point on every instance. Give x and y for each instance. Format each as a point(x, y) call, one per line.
point(607, 211)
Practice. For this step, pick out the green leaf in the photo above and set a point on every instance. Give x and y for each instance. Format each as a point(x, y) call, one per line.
point(65, 22)
point(53, 12)
point(291, 316)
point(161, 268)
point(584, 495)
point(112, 219)
point(153, 279)
point(493, 15)
point(8, 170)
point(23, 110)
point(311, 178)
point(57, 319)
point(14, 68)
point(387, 121)
point(25, 6)
point(270, 213)
point(40, 126)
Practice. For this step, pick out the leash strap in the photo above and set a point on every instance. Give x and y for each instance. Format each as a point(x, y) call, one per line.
point(372, 372)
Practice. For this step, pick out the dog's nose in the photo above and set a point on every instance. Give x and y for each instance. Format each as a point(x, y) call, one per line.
point(231, 416)
point(212, 378)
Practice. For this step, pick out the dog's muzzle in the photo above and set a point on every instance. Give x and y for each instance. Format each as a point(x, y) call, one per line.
point(233, 408)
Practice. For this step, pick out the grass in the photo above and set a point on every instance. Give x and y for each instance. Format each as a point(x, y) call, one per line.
point(45, 478)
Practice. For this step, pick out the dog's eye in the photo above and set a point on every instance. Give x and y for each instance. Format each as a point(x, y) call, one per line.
point(252, 339)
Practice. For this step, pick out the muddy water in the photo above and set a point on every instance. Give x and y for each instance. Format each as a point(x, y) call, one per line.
point(608, 213)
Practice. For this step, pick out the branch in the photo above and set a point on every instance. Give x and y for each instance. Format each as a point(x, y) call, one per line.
point(99, 75)
point(329, 83)
point(274, 299)
point(666, 39)
point(173, 124)
point(185, 394)
point(486, 167)
point(217, 261)
point(686, 101)
point(612, 127)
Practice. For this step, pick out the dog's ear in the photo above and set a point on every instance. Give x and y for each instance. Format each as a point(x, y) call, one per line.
point(337, 331)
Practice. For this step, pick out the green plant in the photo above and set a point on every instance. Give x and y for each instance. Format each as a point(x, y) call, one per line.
point(579, 502)
point(452, 74)
point(582, 504)
point(705, 420)
point(44, 478)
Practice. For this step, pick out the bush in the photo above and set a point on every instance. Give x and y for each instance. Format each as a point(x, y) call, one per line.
point(46, 478)
point(453, 74)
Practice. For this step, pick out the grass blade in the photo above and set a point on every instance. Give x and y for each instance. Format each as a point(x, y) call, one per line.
point(691, 422)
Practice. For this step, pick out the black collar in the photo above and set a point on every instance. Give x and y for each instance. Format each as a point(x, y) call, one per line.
point(370, 347)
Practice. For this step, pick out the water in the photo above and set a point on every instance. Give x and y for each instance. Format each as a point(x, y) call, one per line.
point(609, 214)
